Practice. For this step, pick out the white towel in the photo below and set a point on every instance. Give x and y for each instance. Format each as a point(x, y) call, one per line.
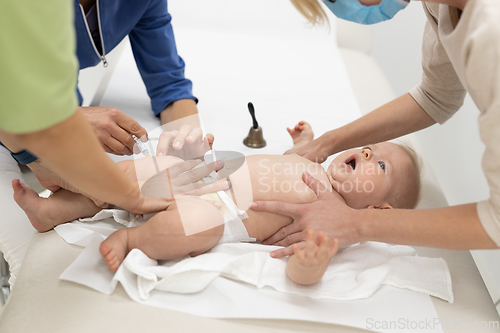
point(121, 216)
point(356, 272)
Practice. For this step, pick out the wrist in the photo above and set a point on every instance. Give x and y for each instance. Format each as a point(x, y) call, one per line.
point(301, 143)
point(34, 165)
point(180, 109)
point(328, 143)
point(361, 219)
point(132, 194)
point(311, 268)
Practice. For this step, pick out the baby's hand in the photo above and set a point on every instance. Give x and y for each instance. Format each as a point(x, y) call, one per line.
point(316, 253)
point(302, 133)
point(186, 143)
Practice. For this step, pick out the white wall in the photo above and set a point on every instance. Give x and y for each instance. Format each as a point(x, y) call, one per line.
point(454, 149)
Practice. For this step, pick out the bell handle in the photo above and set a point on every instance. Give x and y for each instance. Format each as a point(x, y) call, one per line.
point(251, 109)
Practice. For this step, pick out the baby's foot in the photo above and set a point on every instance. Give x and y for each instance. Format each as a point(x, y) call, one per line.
point(33, 205)
point(114, 248)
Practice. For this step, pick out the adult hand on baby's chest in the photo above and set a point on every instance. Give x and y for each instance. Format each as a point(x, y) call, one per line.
point(329, 214)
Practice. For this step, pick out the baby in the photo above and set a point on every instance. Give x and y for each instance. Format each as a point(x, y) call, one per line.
point(380, 176)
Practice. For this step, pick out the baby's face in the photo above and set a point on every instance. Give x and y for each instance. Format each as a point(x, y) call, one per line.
point(365, 177)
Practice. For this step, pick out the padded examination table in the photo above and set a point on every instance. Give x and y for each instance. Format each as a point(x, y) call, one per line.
point(40, 302)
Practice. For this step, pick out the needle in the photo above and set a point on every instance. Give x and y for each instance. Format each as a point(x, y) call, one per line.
point(141, 147)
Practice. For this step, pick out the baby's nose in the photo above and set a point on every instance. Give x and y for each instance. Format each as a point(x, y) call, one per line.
point(367, 154)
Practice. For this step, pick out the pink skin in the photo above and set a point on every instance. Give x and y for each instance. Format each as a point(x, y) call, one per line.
point(368, 184)
point(454, 3)
point(370, 2)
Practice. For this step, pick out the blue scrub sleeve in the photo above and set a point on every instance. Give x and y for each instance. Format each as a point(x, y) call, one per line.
point(155, 52)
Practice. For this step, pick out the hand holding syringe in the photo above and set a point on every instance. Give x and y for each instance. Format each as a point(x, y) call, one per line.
point(144, 151)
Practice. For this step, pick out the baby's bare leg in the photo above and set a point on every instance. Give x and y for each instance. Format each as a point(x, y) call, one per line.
point(163, 238)
point(46, 213)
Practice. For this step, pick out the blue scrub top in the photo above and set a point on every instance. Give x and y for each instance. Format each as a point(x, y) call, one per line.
point(148, 25)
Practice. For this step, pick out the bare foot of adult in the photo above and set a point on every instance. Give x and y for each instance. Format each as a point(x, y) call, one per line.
point(114, 248)
point(34, 206)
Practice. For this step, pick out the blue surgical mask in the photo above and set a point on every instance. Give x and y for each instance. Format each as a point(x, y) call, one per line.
point(354, 11)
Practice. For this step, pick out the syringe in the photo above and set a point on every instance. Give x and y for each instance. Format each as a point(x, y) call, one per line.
point(140, 145)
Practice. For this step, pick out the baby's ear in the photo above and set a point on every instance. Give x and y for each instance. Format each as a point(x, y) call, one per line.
point(382, 206)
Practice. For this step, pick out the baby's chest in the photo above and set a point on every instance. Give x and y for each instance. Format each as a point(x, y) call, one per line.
point(280, 178)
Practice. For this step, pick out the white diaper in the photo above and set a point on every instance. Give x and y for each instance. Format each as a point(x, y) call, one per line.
point(234, 229)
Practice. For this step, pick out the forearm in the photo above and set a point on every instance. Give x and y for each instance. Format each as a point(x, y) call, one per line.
point(71, 150)
point(10, 141)
point(181, 109)
point(302, 275)
point(456, 227)
point(394, 119)
point(300, 144)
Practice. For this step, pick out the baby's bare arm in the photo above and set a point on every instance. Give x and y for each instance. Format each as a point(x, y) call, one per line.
point(301, 134)
point(308, 265)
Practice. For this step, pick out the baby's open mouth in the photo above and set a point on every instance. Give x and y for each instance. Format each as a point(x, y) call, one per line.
point(351, 161)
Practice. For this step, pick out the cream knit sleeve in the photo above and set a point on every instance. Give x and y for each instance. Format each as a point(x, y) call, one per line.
point(440, 93)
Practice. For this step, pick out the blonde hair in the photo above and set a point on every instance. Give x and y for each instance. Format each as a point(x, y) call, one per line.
point(312, 11)
point(409, 194)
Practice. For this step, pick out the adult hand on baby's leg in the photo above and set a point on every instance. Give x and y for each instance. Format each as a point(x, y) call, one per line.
point(168, 176)
point(184, 177)
point(53, 182)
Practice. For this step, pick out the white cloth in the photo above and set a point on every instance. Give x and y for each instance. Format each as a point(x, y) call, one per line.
point(356, 272)
point(226, 298)
point(123, 217)
point(16, 230)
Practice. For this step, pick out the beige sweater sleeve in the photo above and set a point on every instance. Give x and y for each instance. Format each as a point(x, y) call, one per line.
point(475, 48)
point(440, 93)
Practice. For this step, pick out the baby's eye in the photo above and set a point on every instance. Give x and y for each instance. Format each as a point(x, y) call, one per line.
point(367, 148)
point(382, 165)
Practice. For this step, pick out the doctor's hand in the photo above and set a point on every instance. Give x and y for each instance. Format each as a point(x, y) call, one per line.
point(52, 182)
point(113, 128)
point(329, 214)
point(186, 143)
point(154, 181)
point(317, 150)
point(48, 178)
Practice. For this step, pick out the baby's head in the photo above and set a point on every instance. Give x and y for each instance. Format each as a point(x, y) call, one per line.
point(383, 175)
